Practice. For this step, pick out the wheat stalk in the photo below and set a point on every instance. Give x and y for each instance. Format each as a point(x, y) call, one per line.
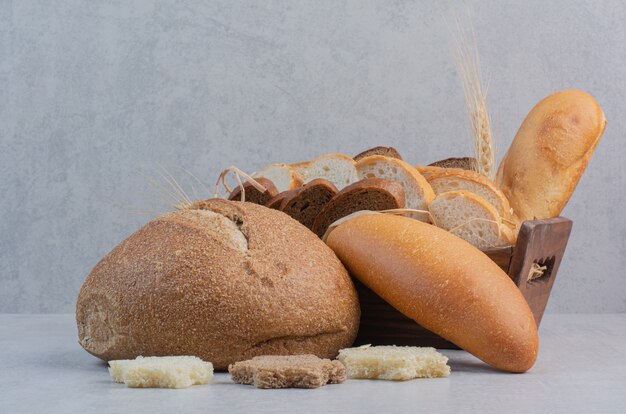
point(475, 94)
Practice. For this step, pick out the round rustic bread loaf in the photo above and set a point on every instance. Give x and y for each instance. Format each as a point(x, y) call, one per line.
point(226, 281)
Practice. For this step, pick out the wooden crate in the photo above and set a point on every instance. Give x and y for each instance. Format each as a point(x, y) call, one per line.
point(539, 241)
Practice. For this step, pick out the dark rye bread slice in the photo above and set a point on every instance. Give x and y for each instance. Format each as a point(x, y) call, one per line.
point(386, 151)
point(305, 203)
point(295, 371)
point(368, 194)
point(252, 194)
point(466, 163)
point(277, 200)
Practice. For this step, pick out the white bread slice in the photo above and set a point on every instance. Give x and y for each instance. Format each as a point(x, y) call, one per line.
point(471, 218)
point(451, 179)
point(337, 168)
point(282, 175)
point(427, 170)
point(161, 372)
point(394, 363)
point(418, 192)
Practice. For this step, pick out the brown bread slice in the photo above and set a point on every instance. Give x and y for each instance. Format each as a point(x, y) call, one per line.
point(253, 195)
point(465, 163)
point(386, 151)
point(368, 194)
point(277, 200)
point(305, 203)
point(296, 371)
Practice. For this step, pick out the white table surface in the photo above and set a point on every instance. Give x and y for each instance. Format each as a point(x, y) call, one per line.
point(581, 368)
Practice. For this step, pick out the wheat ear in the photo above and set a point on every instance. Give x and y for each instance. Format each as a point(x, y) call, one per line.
point(475, 94)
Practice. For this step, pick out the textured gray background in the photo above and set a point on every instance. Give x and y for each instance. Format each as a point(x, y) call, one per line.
point(94, 92)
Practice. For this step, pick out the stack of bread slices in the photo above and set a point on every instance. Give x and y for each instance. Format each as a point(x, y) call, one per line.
point(448, 194)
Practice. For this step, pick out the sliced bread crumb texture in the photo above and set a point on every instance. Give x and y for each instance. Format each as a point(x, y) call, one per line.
point(368, 194)
point(161, 372)
point(471, 218)
point(306, 203)
point(453, 179)
point(417, 191)
point(393, 363)
point(337, 168)
point(298, 371)
point(252, 194)
point(282, 175)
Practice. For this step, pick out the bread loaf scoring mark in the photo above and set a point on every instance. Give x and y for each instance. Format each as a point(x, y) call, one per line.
point(220, 224)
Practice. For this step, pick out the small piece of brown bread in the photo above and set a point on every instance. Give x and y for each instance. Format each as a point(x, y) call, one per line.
point(386, 151)
point(466, 163)
point(368, 194)
point(305, 203)
point(252, 194)
point(277, 200)
point(297, 371)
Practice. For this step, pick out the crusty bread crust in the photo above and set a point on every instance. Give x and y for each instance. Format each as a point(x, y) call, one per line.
point(550, 152)
point(226, 284)
point(440, 176)
point(443, 283)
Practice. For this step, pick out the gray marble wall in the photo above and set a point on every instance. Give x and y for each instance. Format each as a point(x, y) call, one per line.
point(97, 95)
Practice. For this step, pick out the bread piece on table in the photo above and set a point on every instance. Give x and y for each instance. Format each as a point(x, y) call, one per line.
point(306, 203)
point(225, 282)
point(368, 194)
point(418, 192)
point(452, 179)
point(252, 194)
point(390, 152)
point(550, 151)
point(471, 218)
point(161, 372)
point(336, 168)
point(464, 163)
point(443, 283)
point(297, 371)
point(393, 363)
point(282, 176)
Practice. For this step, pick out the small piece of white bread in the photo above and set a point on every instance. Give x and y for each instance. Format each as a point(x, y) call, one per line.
point(443, 180)
point(337, 168)
point(161, 372)
point(283, 176)
point(471, 218)
point(418, 192)
point(394, 363)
